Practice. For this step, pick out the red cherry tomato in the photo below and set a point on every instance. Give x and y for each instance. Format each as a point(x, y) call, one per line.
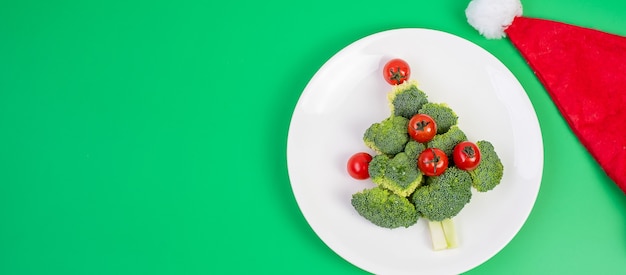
point(396, 71)
point(466, 155)
point(422, 128)
point(358, 164)
point(432, 162)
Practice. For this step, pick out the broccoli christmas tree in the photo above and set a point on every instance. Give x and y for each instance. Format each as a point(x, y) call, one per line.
point(413, 176)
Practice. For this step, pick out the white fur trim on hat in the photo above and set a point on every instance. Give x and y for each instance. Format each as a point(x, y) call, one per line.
point(492, 17)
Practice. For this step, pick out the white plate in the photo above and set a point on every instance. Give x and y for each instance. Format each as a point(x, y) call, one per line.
point(348, 94)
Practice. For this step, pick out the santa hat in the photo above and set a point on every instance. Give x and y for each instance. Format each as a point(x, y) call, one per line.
point(582, 69)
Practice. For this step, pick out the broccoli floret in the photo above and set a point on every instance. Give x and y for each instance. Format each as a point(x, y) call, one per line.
point(448, 140)
point(406, 99)
point(413, 149)
point(489, 171)
point(398, 174)
point(376, 167)
point(443, 115)
point(388, 136)
point(384, 208)
point(443, 196)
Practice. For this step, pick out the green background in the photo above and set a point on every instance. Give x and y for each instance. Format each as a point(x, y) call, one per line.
point(149, 137)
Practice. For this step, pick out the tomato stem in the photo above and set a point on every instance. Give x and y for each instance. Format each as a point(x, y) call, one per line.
point(435, 160)
point(421, 125)
point(396, 75)
point(469, 151)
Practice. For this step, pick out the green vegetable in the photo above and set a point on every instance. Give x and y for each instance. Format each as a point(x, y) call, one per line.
point(443, 234)
point(442, 114)
point(377, 167)
point(388, 136)
point(448, 140)
point(443, 196)
point(406, 99)
point(488, 174)
point(398, 174)
point(437, 236)
point(403, 194)
point(413, 149)
point(384, 208)
point(450, 231)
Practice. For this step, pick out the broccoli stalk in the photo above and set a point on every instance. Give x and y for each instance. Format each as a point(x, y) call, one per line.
point(443, 234)
point(437, 235)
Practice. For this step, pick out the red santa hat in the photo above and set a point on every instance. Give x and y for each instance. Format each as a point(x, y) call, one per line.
point(582, 69)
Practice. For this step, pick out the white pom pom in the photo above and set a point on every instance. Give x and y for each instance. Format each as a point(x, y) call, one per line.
point(492, 17)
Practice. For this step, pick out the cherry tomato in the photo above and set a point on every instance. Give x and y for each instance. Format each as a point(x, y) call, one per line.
point(358, 164)
point(422, 128)
point(466, 155)
point(396, 71)
point(432, 162)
